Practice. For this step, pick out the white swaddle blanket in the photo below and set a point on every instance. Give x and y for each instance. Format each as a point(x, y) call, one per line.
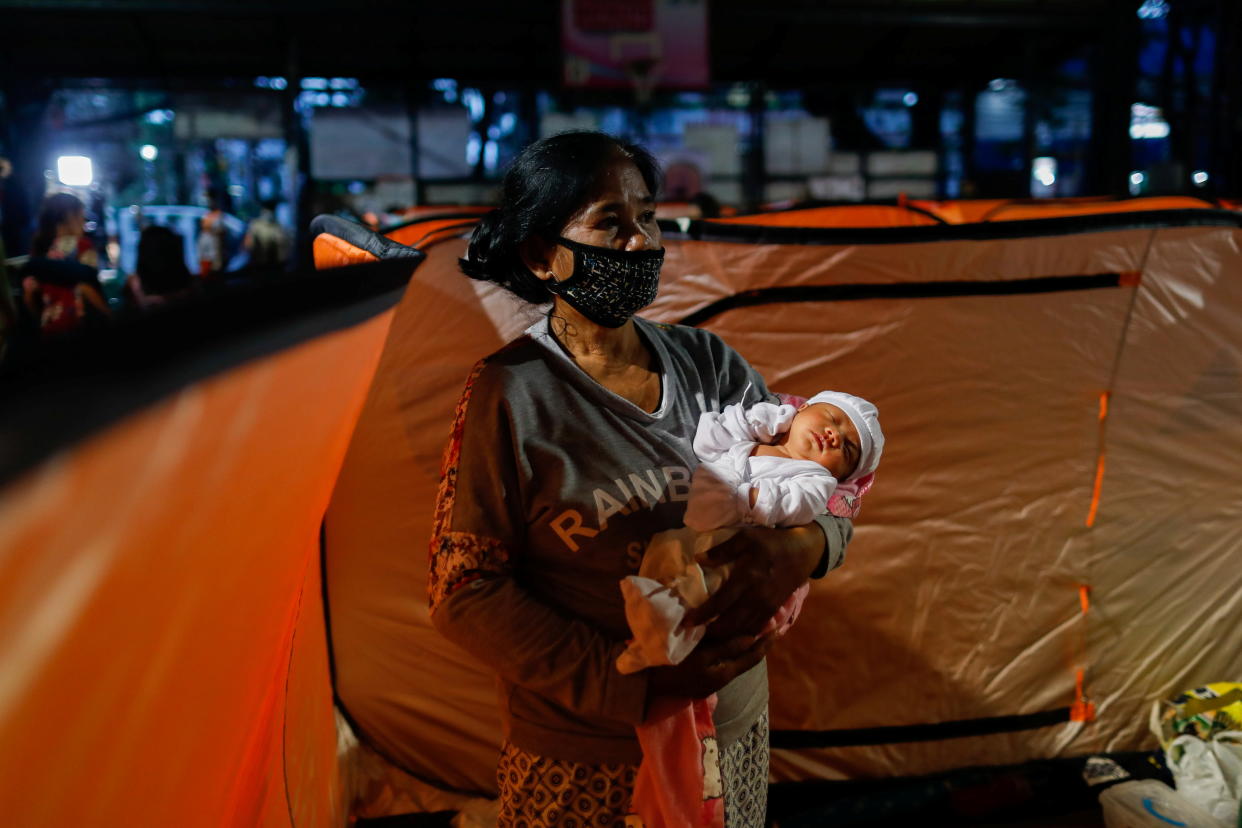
point(668, 583)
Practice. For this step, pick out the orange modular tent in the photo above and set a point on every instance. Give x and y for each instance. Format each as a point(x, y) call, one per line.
point(161, 624)
point(918, 212)
point(1062, 478)
point(1047, 549)
point(842, 215)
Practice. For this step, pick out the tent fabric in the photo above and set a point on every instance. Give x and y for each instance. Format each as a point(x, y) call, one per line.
point(424, 233)
point(920, 212)
point(161, 622)
point(1035, 208)
point(853, 215)
point(973, 576)
point(1020, 209)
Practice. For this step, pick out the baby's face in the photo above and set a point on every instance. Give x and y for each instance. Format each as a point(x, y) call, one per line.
point(823, 434)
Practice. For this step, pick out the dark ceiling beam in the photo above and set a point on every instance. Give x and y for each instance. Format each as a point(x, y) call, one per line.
point(1085, 15)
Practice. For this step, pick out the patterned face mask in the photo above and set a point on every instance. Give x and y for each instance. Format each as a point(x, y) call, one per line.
point(609, 286)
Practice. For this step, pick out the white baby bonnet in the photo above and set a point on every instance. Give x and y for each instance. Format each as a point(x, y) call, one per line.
point(866, 418)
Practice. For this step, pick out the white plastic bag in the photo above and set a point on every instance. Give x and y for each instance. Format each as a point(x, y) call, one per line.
point(1209, 772)
point(1149, 803)
point(1202, 740)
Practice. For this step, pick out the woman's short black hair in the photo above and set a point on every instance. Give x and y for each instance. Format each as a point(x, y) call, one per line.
point(547, 183)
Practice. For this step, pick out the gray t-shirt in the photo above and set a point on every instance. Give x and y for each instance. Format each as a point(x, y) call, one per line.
point(552, 487)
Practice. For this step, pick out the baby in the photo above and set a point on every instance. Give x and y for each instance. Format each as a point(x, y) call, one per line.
point(767, 465)
point(777, 465)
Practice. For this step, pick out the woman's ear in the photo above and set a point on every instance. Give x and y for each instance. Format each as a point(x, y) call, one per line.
point(537, 255)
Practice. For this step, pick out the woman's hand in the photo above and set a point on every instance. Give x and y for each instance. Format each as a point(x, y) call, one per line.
point(767, 566)
point(709, 667)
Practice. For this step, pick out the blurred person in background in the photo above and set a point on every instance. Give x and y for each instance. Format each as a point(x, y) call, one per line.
point(60, 284)
point(161, 274)
point(14, 211)
point(61, 231)
point(211, 236)
point(266, 240)
point(8, 310)
point(8, 301)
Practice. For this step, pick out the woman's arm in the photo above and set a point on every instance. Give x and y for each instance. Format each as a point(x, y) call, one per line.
point(534, 646)
point(94, 298)
point(475, 598)
point(768, 565)
point(31, 297)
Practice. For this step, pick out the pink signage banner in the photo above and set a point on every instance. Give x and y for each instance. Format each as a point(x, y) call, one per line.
point(626, 43)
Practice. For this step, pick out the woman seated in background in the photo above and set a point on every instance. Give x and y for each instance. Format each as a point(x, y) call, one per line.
point(161, 274)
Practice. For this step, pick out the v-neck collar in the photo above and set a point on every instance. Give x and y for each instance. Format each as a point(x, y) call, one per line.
point(541, 332)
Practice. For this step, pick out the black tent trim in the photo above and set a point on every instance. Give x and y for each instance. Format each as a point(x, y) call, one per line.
point(699, 230)
point(901, 290)
point(818, 203)
point(361, 237)
point(898, 734)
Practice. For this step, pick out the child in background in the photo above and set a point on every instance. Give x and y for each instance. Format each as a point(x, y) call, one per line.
point(768, 465)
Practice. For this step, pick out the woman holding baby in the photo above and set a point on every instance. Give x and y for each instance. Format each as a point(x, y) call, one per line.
point(571, 447)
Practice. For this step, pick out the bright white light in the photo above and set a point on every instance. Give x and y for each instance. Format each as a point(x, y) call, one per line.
point(1137, 178)
point(1199, 177)
point(74, 170)
point(1045, 170)
point(910, 99)
point(1147, 121)
point(1153, 9)
point(149, 152)
point(1159, 129)
point(999, 84)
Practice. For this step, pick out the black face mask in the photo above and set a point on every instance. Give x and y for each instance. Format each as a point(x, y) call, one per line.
point(609, 286)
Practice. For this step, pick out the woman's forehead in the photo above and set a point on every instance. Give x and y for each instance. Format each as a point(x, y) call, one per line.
point(621, 181)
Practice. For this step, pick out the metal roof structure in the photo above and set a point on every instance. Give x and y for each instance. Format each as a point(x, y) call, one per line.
point(777, 41)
